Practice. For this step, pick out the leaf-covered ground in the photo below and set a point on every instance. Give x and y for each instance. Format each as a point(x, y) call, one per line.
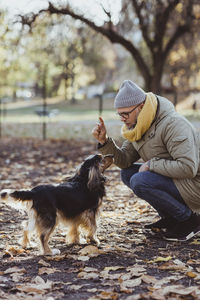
point(129, 264)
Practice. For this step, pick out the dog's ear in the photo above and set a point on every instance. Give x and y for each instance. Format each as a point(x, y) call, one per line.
point(93, 178)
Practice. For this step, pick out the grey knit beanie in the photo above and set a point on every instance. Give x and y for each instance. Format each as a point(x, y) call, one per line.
point(129, 94)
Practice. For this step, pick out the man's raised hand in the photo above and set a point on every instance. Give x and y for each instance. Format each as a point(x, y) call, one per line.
point(99, 131)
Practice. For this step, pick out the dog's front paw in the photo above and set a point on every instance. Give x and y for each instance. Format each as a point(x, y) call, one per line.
point(97, 241)
point(52, 252)
point(73, 241)
point(93, 241)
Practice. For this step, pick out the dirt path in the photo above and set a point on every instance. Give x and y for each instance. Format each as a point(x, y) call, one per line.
point(129, 264)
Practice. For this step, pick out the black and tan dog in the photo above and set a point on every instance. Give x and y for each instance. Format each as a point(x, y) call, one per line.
point(75, 202)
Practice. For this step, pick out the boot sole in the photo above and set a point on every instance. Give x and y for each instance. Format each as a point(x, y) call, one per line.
point(183, 239)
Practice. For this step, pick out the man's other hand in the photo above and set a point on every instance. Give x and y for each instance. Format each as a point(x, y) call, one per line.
point(144, 167)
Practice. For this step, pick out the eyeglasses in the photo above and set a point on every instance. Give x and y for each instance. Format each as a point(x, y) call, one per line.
point(125, 115)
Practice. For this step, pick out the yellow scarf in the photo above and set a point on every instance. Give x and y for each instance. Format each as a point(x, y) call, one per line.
point(144, 121)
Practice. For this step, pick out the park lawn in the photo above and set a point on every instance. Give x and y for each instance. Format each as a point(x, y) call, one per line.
point(68, 116)
point(61, 111)
point(70, 120)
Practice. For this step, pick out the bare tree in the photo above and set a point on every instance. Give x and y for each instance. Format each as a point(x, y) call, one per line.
point(161, 24)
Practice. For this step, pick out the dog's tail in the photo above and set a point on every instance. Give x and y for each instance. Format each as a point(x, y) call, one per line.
point(10, 197)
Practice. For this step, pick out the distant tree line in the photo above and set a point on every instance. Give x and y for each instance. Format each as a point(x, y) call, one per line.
point(165, 27)
point(60, 49)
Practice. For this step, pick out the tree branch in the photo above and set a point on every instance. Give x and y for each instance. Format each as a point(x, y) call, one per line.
point(108, 14)
point(110, 33)
point(161, 20)
point(143, 26)
point(180, 31)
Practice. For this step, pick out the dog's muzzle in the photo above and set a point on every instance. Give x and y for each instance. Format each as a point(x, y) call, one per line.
point(106, 162)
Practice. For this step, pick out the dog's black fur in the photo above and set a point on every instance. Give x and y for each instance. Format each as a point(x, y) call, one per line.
point(76, 202)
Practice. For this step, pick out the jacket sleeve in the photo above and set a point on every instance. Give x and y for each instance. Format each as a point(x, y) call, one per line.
point(182, 143)
point(124, 157)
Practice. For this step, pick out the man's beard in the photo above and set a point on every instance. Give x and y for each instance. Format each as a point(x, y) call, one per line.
point(132, 126)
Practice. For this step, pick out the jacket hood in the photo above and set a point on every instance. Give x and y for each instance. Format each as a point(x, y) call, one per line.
point(165, 108)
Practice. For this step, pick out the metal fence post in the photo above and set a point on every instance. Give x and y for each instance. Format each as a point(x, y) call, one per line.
point(0, 118)
point(100, 97)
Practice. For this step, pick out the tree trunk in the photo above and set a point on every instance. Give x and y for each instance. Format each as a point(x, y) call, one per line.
point(152, 83)
point(44, 95)
point(156, 83)
point(158, 66)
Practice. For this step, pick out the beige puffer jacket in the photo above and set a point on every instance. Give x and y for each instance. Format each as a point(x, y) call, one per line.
point(172, 145)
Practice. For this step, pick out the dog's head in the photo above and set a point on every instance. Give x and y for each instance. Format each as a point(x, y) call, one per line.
point(93, 167)
point(98, 161)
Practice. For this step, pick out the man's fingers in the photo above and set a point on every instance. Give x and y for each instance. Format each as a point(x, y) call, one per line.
point(97, 127)
point(101, 121)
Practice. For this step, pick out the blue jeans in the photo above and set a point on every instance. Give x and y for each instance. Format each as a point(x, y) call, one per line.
point(158, 190)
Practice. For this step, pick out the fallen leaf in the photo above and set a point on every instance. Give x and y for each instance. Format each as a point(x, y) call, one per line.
point(191, 274)
point(159, 259)
point(43, 263)
point(123, 249)
point(75, 287)
point(40, 282)
point(131, 283)
point(90, 250)
point(85, 275)
point(159, 283)
point(192, 262)
point(136, 270)
point(135, 297)
point(88, 269)
point(3, 236)
point(126, 276)
point(14, 270)
point(108, 295)
point(44, 270)
point(16, 277)
point(38, 286)
point(94, 290)
point(125, 290)
point(14, 251)
point(3, 279)
point(83, 258)
point(176, 289)
point(56, 257)
point(113, 268)
point(148, 279)
point(30, 289)
point(178, 262)
point(172, 266)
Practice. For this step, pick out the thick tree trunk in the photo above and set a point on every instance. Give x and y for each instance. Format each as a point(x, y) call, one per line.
point(156, 84)
point(155, 81)
point(152, 83)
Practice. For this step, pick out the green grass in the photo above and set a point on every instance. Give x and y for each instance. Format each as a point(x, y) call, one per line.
point(61, 117)
point(82, 111)
point(24, 111)
point(191, 114)
point(72, 121)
